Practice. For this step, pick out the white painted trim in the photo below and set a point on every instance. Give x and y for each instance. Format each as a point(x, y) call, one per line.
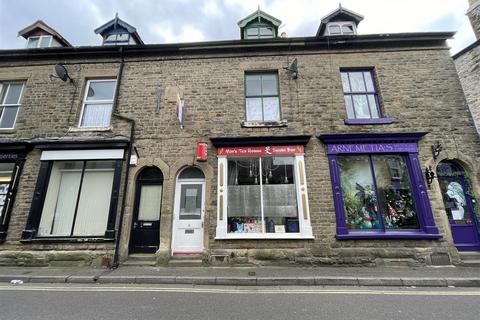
point(176, 209)
point(99, 154)
point(304, 224)
point(341, 24)
point(18, 104)
point(85, 102)
point(239, 236)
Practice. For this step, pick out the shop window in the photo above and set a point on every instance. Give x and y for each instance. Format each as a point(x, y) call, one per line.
point(265, 196)
point(10, 101)
point(97, 105)
point(377, 192)
point(378, 187)
point(77, 200)
point(262, 101)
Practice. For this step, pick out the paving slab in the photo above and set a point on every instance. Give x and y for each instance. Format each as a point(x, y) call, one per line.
point(252, 276)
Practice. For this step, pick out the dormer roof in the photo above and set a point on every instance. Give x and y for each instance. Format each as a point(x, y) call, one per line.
point(260, 19)
point(40, 28)
point(258, 15)
point(340, 14)
point(115, 25)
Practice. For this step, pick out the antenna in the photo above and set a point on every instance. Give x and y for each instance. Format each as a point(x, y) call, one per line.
point(293, 68)
point(62, 73)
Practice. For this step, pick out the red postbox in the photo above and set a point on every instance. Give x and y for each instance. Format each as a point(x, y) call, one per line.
point(201, 151)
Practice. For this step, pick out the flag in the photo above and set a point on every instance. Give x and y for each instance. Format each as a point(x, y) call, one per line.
point(180, 105)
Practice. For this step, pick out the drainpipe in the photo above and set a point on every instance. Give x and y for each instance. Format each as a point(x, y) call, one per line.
point(129, 153)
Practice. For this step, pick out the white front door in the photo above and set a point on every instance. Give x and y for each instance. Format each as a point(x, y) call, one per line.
point(188, 216)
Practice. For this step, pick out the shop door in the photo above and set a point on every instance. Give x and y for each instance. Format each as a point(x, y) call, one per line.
point(189, 211)
point(145, 235)
point(459, 206)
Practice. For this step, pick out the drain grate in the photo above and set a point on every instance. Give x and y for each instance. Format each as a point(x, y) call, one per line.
point(440, 259)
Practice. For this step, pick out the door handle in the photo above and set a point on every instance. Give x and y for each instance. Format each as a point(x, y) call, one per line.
point(135, 224)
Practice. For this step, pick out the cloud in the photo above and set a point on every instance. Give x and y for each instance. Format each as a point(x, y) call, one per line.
point(187, 33)
point(209, 20)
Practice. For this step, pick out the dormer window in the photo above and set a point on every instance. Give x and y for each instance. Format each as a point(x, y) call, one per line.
point(40, 35)
point(117, 39)
point(259, 25)
point(259, 32)
point(39, 42)
point(341, 28)
point(118, 32)
point(339, 22)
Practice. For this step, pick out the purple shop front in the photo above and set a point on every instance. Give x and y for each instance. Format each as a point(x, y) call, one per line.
point(378, 187)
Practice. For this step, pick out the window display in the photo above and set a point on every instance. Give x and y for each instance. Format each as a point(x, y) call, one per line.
point(377, 192)
point(261, 195)
point(378, 186)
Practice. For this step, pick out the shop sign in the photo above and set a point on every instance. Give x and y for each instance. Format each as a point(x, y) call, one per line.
point(202, 151)
point(9, 156)
point(372, 148)
point(260, 151)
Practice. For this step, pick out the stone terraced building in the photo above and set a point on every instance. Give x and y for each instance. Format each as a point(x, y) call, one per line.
point(334, 148)
point(467, 62)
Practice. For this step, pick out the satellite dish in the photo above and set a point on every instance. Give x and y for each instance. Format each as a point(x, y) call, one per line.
point(62, 73)
point(293, 68)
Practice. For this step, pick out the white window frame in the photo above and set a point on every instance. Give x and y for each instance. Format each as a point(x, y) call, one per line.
point(39, 41)
point(90, 102)
point(341, 24)
point(302, 204)
point(18, 105)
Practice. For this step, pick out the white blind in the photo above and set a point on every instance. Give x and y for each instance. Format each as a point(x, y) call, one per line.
point(150, 203)
point(61, 222)
point(94, 204)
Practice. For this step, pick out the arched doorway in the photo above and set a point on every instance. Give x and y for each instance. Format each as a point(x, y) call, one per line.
point(459, 206)
point(145, 234)
point(189, 211)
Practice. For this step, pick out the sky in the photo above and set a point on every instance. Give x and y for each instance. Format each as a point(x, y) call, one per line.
point(173, 21)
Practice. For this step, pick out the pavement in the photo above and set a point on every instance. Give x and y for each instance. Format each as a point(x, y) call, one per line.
point(251, 276)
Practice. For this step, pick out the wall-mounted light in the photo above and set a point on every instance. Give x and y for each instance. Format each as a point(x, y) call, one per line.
point(429, 175)
point(436, 149)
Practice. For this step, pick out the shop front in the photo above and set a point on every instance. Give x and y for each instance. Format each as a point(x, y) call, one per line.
point(262, 188)
point(378, 187)
point(12, 158)
point(77, 192)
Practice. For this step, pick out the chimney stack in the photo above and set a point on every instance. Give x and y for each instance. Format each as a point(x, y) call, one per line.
point(473, 14)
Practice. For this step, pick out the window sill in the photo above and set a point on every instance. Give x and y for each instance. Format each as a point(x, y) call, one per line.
point(66, 240)
point(97, 129)
point(379, 235)
point(273, 124)
point(8, 131)
point(264, 236)
point(369, 121)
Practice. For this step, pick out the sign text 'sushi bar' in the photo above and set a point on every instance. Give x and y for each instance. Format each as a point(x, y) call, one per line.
point(260, 151)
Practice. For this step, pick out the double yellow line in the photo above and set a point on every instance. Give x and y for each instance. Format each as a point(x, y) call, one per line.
point(276, 290)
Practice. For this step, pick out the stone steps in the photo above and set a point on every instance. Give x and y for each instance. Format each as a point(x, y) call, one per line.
point(186, 260)
point(141, 260)
point(470, 259)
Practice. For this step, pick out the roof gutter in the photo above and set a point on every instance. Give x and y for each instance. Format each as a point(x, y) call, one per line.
point(248, 45)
